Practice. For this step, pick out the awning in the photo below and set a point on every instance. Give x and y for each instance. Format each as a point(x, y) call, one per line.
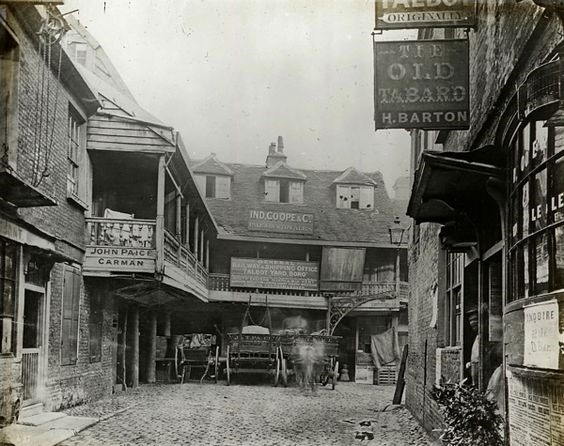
point(447, 182)
point(153, 293)
point(21, 194)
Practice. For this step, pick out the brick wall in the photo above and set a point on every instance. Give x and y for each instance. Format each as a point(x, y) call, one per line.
point(420, 373)
point(43, 104)
point(68, 385)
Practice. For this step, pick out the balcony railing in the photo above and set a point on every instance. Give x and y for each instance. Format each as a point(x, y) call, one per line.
point(220, 282)
point(124, 233)
point(178, 254)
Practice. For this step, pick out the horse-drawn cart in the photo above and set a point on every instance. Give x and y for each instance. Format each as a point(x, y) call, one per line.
point(252, 350)
point(199, 350)
point(309, 357)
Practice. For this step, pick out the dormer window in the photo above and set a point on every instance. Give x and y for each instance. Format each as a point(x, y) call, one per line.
point(283, 190)
point(214, 186)
point(355, 197)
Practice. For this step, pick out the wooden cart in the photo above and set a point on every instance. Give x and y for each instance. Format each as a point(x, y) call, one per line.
point(199, 350)
point(254, 349)
point(325, 351)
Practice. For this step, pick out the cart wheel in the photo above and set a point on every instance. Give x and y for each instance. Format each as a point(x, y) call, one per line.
point(284, 372)
point(216, 364)
point(228, 368)
point(335, 374)
point(278, 367)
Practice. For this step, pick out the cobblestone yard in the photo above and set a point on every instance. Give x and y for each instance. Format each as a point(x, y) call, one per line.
point(214, 414)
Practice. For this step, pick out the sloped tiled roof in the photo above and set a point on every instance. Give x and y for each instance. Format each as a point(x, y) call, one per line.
point(282, 170)
point(212, 165)
point(330, 223)
point(353, 176)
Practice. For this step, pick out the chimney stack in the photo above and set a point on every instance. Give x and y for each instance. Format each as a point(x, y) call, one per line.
point(274, 155)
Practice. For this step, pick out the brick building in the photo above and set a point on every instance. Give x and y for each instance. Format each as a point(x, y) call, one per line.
point(102, 229)
point(486, 247)
point(41, 227)
point(272, 214)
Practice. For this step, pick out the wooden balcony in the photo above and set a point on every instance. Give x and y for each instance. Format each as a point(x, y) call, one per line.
point(541, 88)
point(115, 246)
point(220, 289)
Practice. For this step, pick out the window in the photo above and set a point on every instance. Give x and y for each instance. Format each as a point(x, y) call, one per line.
point(95, 326)
point(283, 191)
point(537, 210)
point(214, 186)
point(453, 301)
point(9, 56)
point(71, 302)
point(8, 274)
point(355, 197)
point(75, 154)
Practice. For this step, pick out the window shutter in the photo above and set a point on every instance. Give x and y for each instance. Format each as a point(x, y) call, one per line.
point(296, 192)
point(71, 301)
point(343, 197)
point(222, 186)
point(366, 197)
point(271, 190)
point(201, 183)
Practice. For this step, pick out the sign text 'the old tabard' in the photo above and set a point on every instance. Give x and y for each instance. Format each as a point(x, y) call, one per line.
point(421, 84)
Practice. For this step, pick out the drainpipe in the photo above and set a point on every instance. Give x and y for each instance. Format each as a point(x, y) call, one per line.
point(159, 233)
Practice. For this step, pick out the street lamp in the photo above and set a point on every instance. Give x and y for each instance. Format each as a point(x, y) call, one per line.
point(396, 238)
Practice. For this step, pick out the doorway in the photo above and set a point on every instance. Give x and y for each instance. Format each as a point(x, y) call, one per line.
point(32, 344)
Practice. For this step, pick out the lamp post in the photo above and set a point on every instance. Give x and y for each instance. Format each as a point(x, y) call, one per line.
point(396, 238)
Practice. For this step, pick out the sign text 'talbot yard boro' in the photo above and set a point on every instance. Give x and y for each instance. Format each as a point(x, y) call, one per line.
point(421, 84)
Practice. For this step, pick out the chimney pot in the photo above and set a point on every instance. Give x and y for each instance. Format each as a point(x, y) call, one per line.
point(272, 148)
point(281, 144)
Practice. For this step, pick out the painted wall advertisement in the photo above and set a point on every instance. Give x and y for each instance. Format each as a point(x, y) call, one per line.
point(104, 258)
point(401, 14)
point(281, 274)
point(281, 221)
point(421, 84)
point(536, 410)
point(541, 335)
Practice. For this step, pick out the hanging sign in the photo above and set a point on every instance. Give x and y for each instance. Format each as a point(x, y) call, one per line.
point(542, 335)
point(401, 14)
point(421, 84)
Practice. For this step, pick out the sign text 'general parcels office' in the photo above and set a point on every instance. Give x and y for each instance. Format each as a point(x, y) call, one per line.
point(402, 14)
point(421, 84)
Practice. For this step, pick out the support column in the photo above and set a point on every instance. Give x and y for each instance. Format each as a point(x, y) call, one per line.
point(179, 217)
point(201, 258)
point(151, 364)
point(196, 237)
point(133, 331)
point(166, 325)
point(159, 233)
point(187, 226)
point(208, 254)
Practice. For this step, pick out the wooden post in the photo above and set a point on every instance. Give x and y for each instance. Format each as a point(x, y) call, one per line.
point(202, 246)
point(152, 351)
point(400, 384)
point(179, 217)
point(166, 327)
point(133, 363)
point(159, 236)
point(188, 225)
point(208, 254)
point(196, 237)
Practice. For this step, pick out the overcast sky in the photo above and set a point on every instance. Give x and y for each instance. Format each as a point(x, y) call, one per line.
point(232, 75)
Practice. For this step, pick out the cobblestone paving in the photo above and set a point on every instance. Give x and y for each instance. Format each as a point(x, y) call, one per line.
point(210, 414)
